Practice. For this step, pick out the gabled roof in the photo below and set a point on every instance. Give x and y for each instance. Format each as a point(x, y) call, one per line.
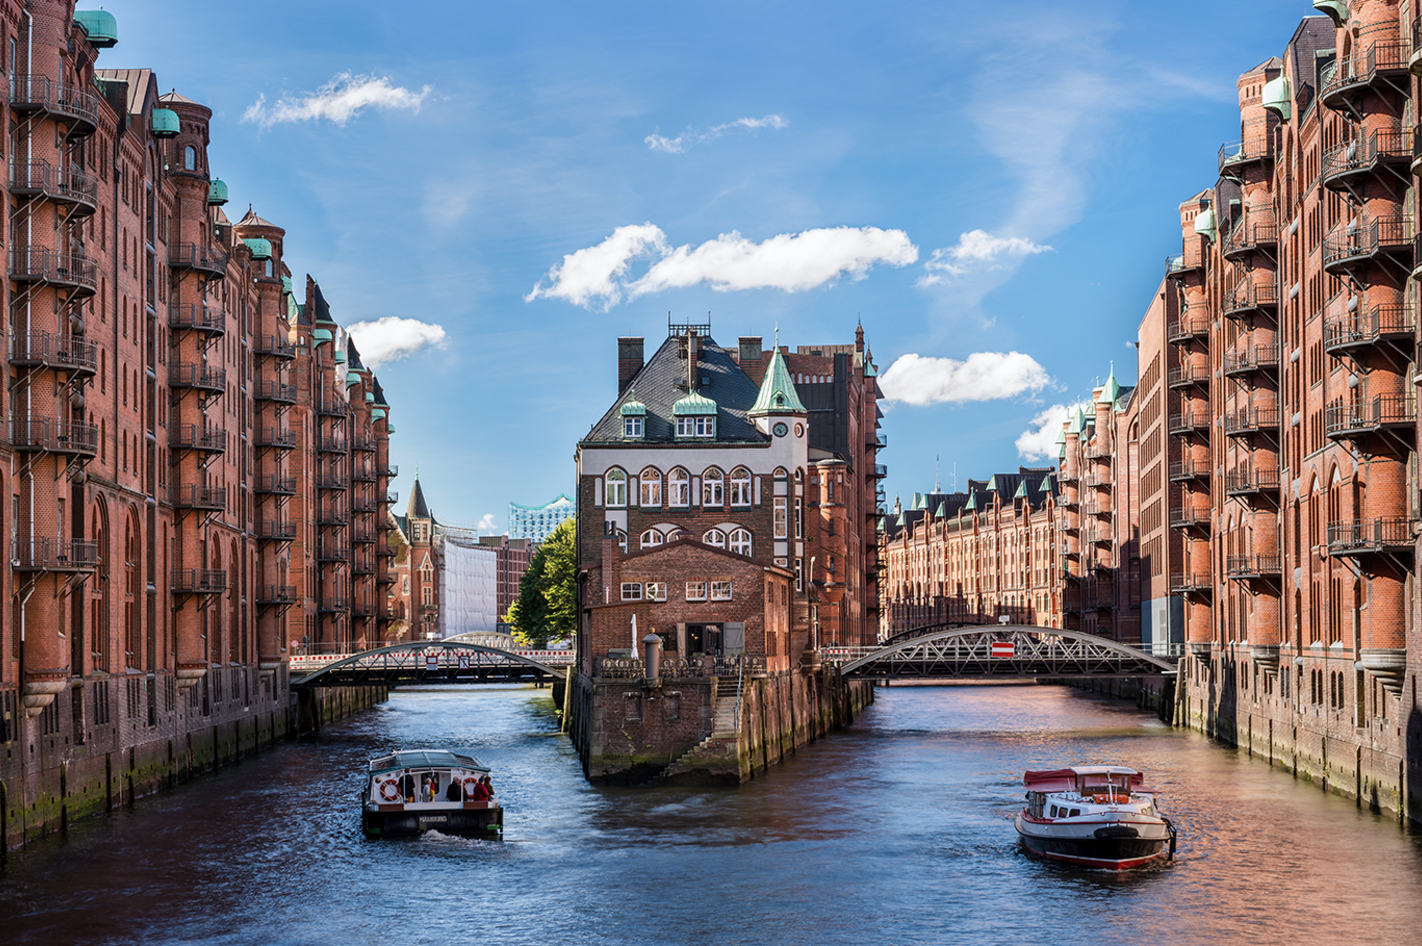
point(777, 391)
point(662, 382)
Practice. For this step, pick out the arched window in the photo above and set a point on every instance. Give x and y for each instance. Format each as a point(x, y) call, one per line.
point(678, 488)
point(622, 540)
point(190, 158)
point(650, 538)
point(713, 488)
point(740, 487)
point(715, 537)
point(740, 541)
point(799, 475)
point(781, 473)
point(650, 484)
point(616, 488)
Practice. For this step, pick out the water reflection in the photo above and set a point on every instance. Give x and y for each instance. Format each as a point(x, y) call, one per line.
point(897, 831)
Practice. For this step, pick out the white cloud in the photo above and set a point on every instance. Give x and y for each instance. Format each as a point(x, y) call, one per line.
point(976, 249)
point(339, 100)
point(681, 143)
point(791, 262)
point(982, 376)
point(1040, 441)
point(392, 338)
point(488, 524)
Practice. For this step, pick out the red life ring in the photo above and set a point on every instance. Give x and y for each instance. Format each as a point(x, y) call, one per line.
point(390, 790)
point(469, 784)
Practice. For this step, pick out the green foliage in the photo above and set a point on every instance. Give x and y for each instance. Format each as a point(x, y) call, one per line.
point(547, 605)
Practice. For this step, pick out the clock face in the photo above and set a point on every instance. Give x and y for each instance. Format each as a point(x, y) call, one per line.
point(781, 430)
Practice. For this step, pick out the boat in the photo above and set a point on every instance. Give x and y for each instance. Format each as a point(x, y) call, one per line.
point(1094, 816)
point(411, 791)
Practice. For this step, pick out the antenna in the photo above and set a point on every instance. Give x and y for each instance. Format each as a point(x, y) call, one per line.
point(955, 477)
point(937, 476)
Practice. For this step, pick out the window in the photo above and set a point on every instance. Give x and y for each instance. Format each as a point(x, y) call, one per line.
point(631, 591)
point(740, 541)
point(715, 537)
point(632, 427)
point(720, 591)
point(799, 518)
point(782, 528)
point(621, 540)
point(427, 596)
point(616, 488)
point(189, 158)
point(655, 590)
point(713, 488)
point(799, 575)
point(678, 488)
point(650, 484)
point(702, 426)
point(650, 538)
point(696, 591)
point(740, 487)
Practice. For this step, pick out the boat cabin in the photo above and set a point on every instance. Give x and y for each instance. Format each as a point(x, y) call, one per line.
point(416, 778)
point(1050, 793)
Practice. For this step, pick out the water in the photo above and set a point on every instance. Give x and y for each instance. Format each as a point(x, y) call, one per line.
point(896, 831)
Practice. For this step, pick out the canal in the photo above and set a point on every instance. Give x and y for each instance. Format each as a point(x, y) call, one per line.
point(896, 831)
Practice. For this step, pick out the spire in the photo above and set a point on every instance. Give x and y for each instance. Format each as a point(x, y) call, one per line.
point(417, 508)
point(1110, 390)
point(777, 391)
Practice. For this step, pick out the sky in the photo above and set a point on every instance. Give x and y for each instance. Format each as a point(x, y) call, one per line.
point(491, 194)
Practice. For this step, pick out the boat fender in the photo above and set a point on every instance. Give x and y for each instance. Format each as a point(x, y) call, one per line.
point(390, 790)
point(1116, 831)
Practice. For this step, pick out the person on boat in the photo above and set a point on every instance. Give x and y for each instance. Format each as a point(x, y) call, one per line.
point(407, 787)
point(453, 793)
point(482, 791)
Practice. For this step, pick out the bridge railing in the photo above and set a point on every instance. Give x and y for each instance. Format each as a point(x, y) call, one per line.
point(423, 653)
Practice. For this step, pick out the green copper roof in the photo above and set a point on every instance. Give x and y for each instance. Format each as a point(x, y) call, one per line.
point(1110, 390)
point(165, 123)
point(694, 404)
point(777, 391)
point(1276, 97)
point(352, 377)
point(1206, 225)
point(1337, 10)
point(322, 335)
point(1021, 491)
point(1061, 435)
point(261, 247)
point(217, 192)
point(942, 512)
point(1077, 423)
point(286, 284)
point(901, 521)
point(390, 428)
point(634, 409)
point(100, 25)
point(340, 357)
point(369, 398)
point(377, 414)
point(992, 484)
point(972, 503)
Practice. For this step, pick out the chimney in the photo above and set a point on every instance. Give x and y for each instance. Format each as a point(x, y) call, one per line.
point(611, 565)
point(629, 361)
point(693, 349)
point(749, 357)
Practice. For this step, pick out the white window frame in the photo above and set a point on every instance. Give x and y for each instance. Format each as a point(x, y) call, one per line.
point(632, 427)
point(631, 591)
point(678, 488)
point(782, 527)
point(616, 486)
point(650, 487)
point(714, 538)
point(650, 539)
point(654, 591)
point(741, 486)
point(713, 491)
point(720, 589)
point(696, 591)
point(740, 541)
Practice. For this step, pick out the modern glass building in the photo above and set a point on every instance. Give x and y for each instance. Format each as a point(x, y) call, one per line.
point(536, 522)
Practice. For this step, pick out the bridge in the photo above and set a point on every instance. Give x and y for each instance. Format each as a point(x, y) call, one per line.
point(468, 658)
point(977, 652)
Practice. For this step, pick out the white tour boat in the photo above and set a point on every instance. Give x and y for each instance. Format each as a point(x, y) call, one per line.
point(411, 791)
point(1094, 816)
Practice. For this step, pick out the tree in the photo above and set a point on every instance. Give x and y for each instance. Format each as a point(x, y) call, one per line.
point(547, 605)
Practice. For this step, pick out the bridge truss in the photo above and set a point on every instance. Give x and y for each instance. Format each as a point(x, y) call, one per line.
point(443, 661)
point(1002, 651)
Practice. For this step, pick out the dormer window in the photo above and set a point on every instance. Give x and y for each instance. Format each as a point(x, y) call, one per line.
point(634, 419)
point(695, 417)
point(632, 428)
point(691, 427)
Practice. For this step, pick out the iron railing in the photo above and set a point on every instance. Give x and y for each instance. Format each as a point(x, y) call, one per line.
point(200, 318)
point(45, 554)
point(1383, 534)
point(1383, 410)
point(1367, 328)
point(65, 352)
point(55, 436)
point(42, 264)
point(1367, 238)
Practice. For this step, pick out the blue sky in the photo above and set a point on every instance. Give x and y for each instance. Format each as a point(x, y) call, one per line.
point(991, 187)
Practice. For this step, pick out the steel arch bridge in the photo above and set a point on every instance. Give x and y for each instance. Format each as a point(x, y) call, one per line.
point(1001, 651)
point(442, 661)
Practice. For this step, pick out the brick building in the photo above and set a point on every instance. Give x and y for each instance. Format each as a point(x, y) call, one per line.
point(195, 460)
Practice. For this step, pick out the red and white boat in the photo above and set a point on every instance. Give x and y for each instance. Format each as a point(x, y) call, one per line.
point(1095, 816)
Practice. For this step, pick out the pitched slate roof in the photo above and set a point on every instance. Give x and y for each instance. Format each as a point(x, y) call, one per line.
point(417, 509)
point(662, 382)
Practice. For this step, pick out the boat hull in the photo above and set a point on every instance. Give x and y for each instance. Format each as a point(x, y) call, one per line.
point(485, 823)
point(1103, 848)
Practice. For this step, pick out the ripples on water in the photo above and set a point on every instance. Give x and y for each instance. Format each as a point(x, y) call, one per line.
point(895, 831)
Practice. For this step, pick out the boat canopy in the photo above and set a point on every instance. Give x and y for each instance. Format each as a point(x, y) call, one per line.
point(425, 759)
point(1081, 776)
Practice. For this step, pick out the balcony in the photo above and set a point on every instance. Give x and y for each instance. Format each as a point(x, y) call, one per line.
point(879, 442)
point(332, 481)
point(1098, 507)
point(385, 551)
point(210, 498)
point(1380, 413)
point(60, 352)
point(1190, 583)
point(1246, 481)
point(198, 437)
point(1251, 420)
point(1250, 297)
point(275, 437)
point(1234, 156)
point(363, 444)
point(1189, 421)
point(39, 264)
point(1184, 264)
point(1097, 449)
point(276, 485)
point(53, 555)
point(1187, 375)
point(198, 581)
point(77, 106)
point(333, 605)
point(280, 530)
point(1183, 470)
point(1345, 165)
point(1251, 233)
point(363, 536)
point(197, 318)
point(272, 595)
point(275, 391)
point(1381, 65)
point(332, 443)
point(42, 435)
point(1371, 239)
point(1190, 516)
point(1246, 567)
point(388, 470)
point(363, 473)
point(363, 609)
point(330, 552)
point(364, 504)
point(69, 186)
point(274, 346)
point(1186, 328)
point(1384, 535)
point(198, 377)
point(332, 518)
point(200, 259)
point(1354, 333)
point(1248, 359)
point(332, 407)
